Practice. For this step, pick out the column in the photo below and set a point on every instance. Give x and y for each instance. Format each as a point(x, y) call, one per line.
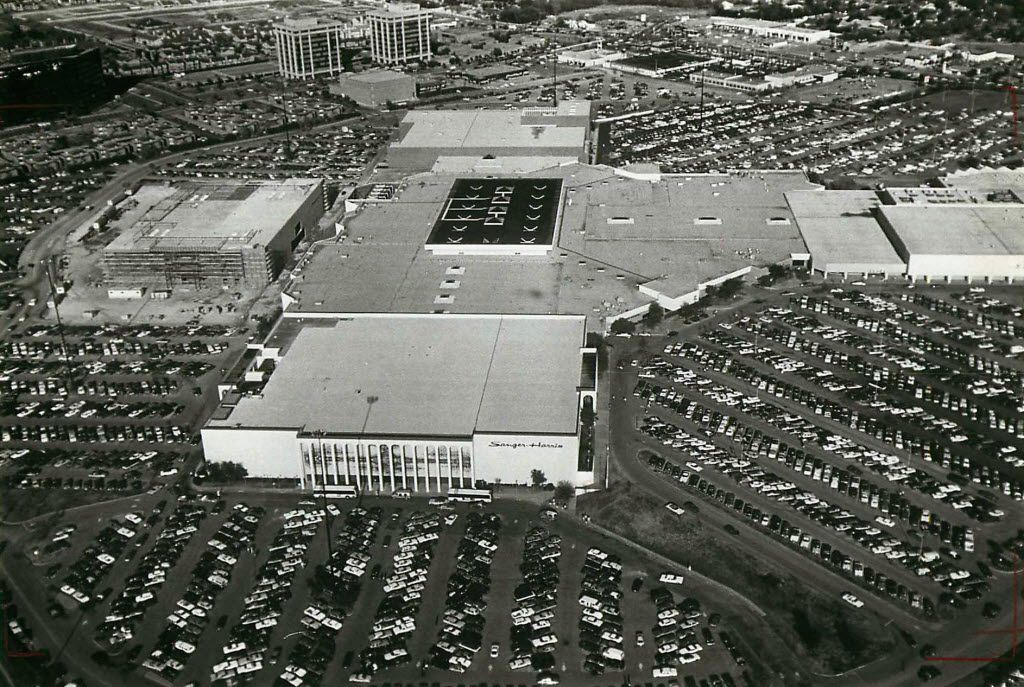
point(380, 470)
point(334, 461)
point(344, 453)
point(437, 457)
point(302, 468)
point(404, 454)
point(391, 458)
point(415, 468)
point(280, 52)
point(323, 465)
point(451, 457)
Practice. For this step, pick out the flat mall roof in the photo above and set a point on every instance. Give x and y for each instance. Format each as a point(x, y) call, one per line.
point(498, 212)
point(424, 376)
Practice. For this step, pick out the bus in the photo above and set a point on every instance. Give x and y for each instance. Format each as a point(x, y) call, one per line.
point(338, 491)
point(469, 495)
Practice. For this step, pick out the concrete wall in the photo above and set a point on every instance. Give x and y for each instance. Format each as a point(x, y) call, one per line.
point(996, 267)
point(306, 216)
point(263, 452)
point(510, 457)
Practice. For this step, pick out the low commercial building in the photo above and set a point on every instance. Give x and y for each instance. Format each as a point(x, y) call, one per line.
point(377, 88)
point(591, 57)
point(494, 72)
point(958, 242)
point(736, 82)
point(417, 402)
point(774, 30)
point(842, 234)
point(222, 232)
point(425, 135)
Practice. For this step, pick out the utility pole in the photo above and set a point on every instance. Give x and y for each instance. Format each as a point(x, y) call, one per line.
point(702, 100)
point(319, 434)
point(554, 76)
point(68, 379)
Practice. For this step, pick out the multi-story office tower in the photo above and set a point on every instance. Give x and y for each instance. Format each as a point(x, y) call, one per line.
point(307, 48)
point(399, 33)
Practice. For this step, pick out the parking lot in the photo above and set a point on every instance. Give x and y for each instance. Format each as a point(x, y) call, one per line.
point(106, 408)
point(875, 433)
point(227, 591)
point(788, 132)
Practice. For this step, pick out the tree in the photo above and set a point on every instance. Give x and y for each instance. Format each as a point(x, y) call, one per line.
point(564, 491)
point(226, 472)
point(730, 287)
point(623, 327)
point(537, 477)
point(655, 313)
point(778, 271)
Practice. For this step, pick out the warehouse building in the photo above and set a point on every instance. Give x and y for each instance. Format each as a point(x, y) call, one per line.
point(201, 233)
point(958, 242)
point(842, 234)
point(377, 88)
point(560, 132)
point(417, 402)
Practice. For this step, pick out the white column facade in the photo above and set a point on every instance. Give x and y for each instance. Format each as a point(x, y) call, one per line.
point(380, 466)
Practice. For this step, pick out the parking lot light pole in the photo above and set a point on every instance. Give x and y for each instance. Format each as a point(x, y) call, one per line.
point(319, 434)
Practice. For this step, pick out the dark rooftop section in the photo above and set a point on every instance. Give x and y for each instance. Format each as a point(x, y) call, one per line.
point(498, 211)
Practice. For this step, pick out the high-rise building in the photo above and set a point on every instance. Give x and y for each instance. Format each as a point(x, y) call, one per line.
point(307, 48)
point(399, 33)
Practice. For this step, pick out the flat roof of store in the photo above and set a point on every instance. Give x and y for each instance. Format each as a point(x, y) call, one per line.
point(453, 129)
point(842, 232)
point(991, 229)
point(376, 76)
point(498, 212)
point(209, 215)
point(691, 228)
point(424, 376)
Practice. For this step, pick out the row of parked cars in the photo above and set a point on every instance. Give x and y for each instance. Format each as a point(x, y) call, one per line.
point(462, 622)
point(142, 586)
point(210, 576)
point(601, 624)
point(827, 515)
point(58, 386)
point(532, 636)
point(336, 586)
point(807, 432)
point(674, 633)
point(38, 347)
point(249, 640)
point(404, 586)
point(892, 505)
point(963, 384)
point(99, 433)
point(791, 534)
point(97, 560)
point(960, 409)
point(99, 409)
point(983, 310)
